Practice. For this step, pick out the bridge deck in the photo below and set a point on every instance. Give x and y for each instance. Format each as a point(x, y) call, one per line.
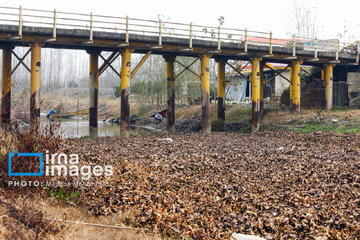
point(111, 41)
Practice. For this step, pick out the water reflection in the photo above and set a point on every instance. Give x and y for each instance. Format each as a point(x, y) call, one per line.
point(80, 128)
point(73, 129)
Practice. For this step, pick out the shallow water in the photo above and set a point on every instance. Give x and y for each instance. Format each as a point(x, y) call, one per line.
point(72, 128)
point(80, 128)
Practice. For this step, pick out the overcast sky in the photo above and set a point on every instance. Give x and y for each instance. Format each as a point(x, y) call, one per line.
point(261, 15)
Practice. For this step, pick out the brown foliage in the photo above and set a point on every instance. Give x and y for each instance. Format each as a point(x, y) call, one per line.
point(276, 185)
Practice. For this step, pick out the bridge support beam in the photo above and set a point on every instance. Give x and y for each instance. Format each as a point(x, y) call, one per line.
point(6, 87)
point(295, 83)
point(255, 84)
point(35, 87)
point(205, 93)
point(125, 91)
point(94, 87)
point(170, 85)
point(262, 84)
point(328, 74)
point(221, 88)
point(291, 86)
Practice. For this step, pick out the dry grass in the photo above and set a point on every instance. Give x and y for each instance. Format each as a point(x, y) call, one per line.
point(187, 112)
point(80, 231)
point(284, 117)
point(10, 227)
point(5, 140)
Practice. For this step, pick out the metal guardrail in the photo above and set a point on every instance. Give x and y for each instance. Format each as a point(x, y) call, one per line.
point(93, 22)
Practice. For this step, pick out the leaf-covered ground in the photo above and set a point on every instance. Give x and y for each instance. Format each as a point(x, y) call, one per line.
point(278, 185)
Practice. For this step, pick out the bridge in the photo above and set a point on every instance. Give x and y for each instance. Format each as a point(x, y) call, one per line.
point(123, 36)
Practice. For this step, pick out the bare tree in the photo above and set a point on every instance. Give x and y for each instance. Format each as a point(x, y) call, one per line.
point(349, 31)
point(303, 20)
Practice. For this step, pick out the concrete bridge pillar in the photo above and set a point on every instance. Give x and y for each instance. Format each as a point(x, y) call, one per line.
point(6, 87)
point(221, 88)
point(295, 85)
point(35, 82)
point(170, 85)
point(328, 74)
point(262, 84)
point(125, 91)
point(255, 92)
point(94, 87)
point(205, 93)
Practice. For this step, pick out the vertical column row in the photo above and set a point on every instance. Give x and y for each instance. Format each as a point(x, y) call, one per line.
point(125, 91)
point(35, 80)
point(170, 86)
point(295, 85)
point(262, 84)
point(205, 93)
point(221, 90)
point(255, 83)
point(291, 86)
point(328, 85)
point(94, 88)
point(35, 87)
point(6, 87)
